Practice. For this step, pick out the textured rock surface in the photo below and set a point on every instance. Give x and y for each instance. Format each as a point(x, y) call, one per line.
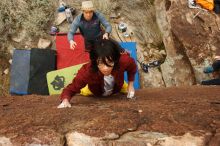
point(169, 112)
point(188, 40)
point(139, 138)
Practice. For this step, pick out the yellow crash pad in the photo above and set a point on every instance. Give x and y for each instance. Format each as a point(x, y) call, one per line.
point(57, 80)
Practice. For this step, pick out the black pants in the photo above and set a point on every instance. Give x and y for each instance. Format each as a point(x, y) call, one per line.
point(90, 43)
point(217, 6)
point(211, 82)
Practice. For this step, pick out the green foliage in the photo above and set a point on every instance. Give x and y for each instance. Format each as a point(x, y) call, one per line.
point(38, 16)
point(36, 24)
point(10, 18)
point(34, 16)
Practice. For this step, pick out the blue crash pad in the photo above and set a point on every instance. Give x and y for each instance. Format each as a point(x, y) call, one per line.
point(20, 68)
point(28, 71)
point(131, 48)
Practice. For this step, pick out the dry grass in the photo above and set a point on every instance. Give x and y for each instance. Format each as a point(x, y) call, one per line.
point(34, 16)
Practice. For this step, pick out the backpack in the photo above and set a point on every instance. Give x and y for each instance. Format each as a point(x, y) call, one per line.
point(206, 4)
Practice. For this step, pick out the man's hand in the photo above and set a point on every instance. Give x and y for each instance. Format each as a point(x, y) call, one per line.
point(131, 90)
point(105, 36)
point(64, 104)
point(72, 45)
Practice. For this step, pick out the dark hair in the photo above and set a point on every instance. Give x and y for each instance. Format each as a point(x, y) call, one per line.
point(216, 65)
point(105, 49)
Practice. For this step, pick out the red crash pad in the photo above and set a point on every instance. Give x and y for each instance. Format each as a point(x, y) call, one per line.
point(67, 57)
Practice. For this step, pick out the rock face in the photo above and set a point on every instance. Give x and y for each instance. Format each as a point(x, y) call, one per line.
point(44, 43)
point(176, 69)
point(139, 138)
point(189, 40)
point(5, 141)
point(180, 116)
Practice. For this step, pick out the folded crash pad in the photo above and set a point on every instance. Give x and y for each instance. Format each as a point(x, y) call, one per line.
point(57, 80)
point(131, 48)
point(28, 71)
point(67, 57)
point(41, 62)
point(20, 69)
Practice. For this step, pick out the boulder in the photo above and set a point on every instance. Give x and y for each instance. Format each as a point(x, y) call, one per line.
point(44, 43)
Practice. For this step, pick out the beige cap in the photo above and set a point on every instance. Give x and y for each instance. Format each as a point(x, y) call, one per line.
point(87, 5)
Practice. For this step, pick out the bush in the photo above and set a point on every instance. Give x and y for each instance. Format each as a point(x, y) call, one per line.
point(11, 18)
point(39, 16)
point(34, 16)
